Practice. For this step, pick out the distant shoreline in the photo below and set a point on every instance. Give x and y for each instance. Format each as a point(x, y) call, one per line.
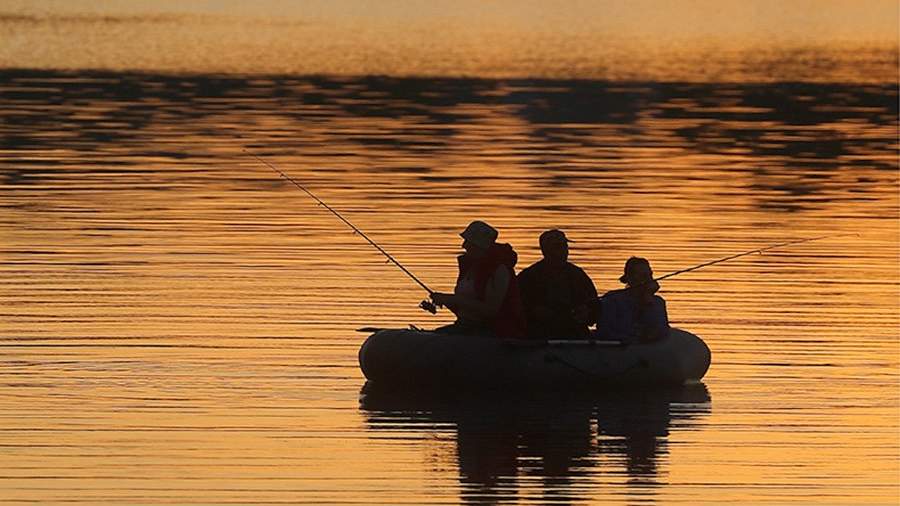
point(6, 72)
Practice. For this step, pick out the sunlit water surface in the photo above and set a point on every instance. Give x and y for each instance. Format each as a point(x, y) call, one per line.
point(177, 324)
point(638, 40)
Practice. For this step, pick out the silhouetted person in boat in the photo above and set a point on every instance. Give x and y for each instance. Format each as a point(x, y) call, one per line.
point(634, 314)
point(486, 297)
point(560, 299)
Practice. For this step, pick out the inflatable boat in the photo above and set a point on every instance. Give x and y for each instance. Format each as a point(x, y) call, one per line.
point(418, 358)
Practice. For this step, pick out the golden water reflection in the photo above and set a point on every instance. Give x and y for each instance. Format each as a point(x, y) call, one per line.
point(176, 323)
point(559, 445)
point(701, 40)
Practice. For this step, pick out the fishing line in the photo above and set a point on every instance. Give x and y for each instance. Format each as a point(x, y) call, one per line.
point(759, 250)
point(356, 229)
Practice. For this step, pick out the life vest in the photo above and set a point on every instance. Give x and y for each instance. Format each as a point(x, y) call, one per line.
point(509, 322)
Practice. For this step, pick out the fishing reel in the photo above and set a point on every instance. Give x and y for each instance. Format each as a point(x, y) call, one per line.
point(429, 306)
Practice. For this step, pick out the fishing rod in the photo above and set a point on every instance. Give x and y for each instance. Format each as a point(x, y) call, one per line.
point(738, 255)
point(426, 305)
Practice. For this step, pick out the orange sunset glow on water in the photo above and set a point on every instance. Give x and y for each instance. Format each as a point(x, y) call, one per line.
point(179, 323)
point(706, 40)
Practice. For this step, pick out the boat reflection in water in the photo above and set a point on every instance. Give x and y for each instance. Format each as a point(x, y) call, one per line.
point(560, 446)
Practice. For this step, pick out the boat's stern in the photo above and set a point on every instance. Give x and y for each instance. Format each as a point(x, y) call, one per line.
point(693, 355)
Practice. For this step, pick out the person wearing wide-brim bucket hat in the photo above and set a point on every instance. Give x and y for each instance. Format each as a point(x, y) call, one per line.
point(479, 234)
point(634, 313)
point(638, 273)
point(486, 297)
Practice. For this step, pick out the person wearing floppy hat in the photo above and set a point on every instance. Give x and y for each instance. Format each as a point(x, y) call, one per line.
point(480, 235)
point(486, 298)
point(634, 313)
point(560, 299)
point(637, 273)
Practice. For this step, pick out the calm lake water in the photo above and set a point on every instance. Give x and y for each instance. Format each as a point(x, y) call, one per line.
point(178, 324)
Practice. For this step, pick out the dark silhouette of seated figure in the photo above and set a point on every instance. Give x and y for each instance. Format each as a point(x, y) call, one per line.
point(486, 298)
point(634, 314)
point(560, 299)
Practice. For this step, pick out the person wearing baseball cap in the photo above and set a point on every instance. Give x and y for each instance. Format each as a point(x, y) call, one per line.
point(560, 299)
point(486, 297)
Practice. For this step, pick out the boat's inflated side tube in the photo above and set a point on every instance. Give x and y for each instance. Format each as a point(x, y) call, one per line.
point(408, 357)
